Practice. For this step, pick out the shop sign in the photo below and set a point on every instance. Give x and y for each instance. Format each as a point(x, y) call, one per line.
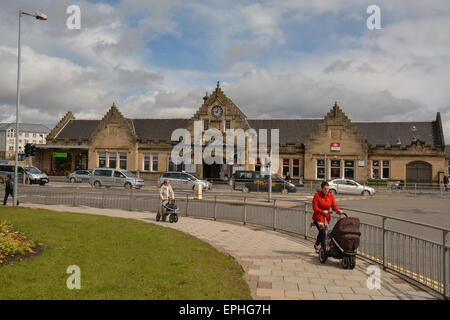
point(335, 146)
point(59, 155)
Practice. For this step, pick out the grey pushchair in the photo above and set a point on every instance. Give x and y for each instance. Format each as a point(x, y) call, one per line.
point(169, 209)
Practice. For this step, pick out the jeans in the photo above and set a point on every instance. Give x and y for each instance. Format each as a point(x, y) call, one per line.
point(321, 236)
point(446, 187)
point(7, 193)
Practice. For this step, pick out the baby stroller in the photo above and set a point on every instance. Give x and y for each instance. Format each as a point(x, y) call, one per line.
point(342, 242)
point(171, 209)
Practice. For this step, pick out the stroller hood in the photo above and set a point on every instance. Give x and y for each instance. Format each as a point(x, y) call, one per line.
point(346, 233)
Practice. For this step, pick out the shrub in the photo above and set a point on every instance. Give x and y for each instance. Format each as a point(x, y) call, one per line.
point(13, 242)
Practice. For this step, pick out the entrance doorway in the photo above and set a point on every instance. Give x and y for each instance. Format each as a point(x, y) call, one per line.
point(211, 171)
point(419, 172)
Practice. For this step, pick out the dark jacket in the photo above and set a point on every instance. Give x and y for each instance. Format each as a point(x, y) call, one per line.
point(445, 180)
point(9, 185)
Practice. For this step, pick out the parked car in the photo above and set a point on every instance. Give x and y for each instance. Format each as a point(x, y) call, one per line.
point(247, 181)
point(108, 177)
point(32, 174)
point(346, 186)
point(79, 176)
point(183, 180)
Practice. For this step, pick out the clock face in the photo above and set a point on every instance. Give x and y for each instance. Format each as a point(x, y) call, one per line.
point(217, 112)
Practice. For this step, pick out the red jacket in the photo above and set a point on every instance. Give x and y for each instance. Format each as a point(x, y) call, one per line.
point(321, 203)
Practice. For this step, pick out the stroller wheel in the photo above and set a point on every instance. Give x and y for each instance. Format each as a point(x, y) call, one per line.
point(322, 255)
point(175, 218)
point(345, 262)
point(171, 218)
point(158, 217)
point(352, 262)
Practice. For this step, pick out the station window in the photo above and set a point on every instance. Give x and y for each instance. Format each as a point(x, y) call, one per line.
point(258, 165)
point(11, 133)
point(102, 159)
point(112, 160)
point(227, 124)
point(386, 169)
point(285, 167)
point(375, 169)
point(146, 162)
point(335, 166)
point(123, 160)
point(296, 168)
point(320, 169)
point(205, 124)
point(155, 162)
point(349, 169)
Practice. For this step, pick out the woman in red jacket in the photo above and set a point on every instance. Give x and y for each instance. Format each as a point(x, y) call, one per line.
point(321, 204)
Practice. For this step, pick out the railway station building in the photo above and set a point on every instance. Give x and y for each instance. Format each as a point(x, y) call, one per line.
point(313, 149)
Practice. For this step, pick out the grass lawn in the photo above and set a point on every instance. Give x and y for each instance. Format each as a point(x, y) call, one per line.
point(118, 258)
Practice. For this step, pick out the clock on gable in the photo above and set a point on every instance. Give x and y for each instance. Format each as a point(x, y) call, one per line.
point(217, 111)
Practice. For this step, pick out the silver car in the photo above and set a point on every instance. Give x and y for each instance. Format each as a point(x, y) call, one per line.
point(108, 177)
point(32, 174)
point(79, 176)
point(183, 180)
point(346, 186)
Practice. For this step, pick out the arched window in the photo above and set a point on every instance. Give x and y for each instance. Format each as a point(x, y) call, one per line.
point(11, 133)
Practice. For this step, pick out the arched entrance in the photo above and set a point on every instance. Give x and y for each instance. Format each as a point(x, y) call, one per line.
point(419, 172)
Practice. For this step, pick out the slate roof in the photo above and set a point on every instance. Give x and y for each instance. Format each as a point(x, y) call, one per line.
point(294, 131)
point(447, 152)
point(26, 127)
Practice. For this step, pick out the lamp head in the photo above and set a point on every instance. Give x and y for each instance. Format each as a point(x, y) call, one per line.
point(40, 16)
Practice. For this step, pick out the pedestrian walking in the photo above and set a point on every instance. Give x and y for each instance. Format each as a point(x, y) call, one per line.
point(9, 189)
point(446, 181)
point(322, 202)
point(165, 195)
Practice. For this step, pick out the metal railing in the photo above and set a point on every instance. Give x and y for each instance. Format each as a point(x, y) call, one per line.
point(422, 260)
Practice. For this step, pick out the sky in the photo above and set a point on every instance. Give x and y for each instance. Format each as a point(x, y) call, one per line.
point(274, 59)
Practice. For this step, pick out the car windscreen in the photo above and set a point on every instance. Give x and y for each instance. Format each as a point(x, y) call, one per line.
point(128, 173)
point(33, 170)
point(193, 177)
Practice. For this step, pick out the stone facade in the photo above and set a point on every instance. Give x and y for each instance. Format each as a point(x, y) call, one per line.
point(360, 151)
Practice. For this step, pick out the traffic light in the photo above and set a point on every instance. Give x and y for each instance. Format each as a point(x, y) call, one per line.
point(32, 150)
point(27, 149)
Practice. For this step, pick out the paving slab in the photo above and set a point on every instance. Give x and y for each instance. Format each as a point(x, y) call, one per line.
point(276, 266)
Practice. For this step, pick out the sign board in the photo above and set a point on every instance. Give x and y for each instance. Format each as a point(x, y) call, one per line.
point(361, 163)
point(59, 154)
point(13, 162)
point(335, 146)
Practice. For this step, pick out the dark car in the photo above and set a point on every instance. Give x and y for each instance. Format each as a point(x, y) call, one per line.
point(247, 181)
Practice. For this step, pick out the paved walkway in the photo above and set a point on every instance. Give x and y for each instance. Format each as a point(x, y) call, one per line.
point(277, 266)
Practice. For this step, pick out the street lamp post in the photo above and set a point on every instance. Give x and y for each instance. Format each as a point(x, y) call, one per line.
point(38, 16)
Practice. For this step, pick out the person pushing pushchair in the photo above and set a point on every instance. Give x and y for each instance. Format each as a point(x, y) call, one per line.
point(166, 194)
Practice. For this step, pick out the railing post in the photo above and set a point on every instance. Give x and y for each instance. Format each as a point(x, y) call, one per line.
point(415, 189)
point(443, 263)
point(215, 207)
point(74, 199)
point(130, 207)
point(384, 243)
point(187, 203)
point(305, 217)
point(103, 198)
point(245, 210)
point(274, 214)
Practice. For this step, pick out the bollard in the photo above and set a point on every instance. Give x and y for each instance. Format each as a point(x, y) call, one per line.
point(215, 207)
point(245, 210)
point(198, 191)
point(187, 203)
point(274, 214)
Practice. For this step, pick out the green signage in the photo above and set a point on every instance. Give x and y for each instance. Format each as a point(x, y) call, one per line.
point(59, 155)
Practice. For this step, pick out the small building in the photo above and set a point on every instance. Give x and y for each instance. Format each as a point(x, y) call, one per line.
point(315, 149)
point(28, 133)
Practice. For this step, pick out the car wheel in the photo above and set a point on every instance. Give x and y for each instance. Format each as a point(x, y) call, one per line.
point(366, 193)
point(333, 192)
point(284, 191)
point(245, 190)
point(42, 183)
point(97, 184)
point(128, 186)
point(72, 180)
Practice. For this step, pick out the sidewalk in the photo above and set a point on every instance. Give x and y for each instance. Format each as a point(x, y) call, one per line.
point(277, 266)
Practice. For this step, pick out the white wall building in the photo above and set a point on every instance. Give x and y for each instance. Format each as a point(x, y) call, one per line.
point(28, 133)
